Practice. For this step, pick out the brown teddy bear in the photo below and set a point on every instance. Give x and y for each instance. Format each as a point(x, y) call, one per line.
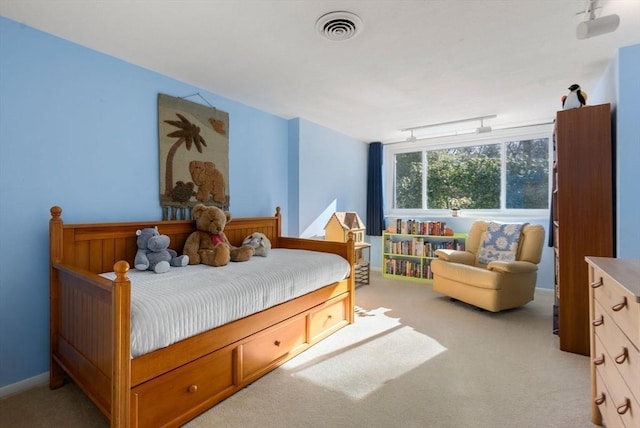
point(210, 181)
point(208, 244)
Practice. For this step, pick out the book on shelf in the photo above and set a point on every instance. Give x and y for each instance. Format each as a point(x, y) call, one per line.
point(401, 267)
point(408, 268)
point(421, 247)
point(417, 227)
point(427, 271)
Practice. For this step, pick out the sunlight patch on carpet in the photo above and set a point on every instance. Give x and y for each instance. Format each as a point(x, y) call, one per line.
point(362, 357)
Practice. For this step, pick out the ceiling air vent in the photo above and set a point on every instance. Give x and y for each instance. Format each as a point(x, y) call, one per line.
point(339, 26)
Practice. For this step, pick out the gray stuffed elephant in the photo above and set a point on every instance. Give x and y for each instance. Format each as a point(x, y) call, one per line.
point(154, 252)
point(259, 242)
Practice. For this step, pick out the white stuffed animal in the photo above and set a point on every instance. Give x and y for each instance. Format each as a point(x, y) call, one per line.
point(259, 242)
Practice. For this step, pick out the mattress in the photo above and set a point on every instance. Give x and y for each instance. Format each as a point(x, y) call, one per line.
point(169, 307)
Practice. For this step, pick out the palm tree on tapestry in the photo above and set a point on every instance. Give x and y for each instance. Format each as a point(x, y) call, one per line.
point(187, 133)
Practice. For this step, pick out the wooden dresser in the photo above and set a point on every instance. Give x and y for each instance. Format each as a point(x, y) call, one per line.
point(614, 308)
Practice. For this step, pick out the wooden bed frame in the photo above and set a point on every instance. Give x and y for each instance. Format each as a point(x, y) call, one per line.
point(90, 325)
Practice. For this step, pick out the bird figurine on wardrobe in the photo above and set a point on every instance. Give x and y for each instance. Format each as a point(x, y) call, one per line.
point(575, 99)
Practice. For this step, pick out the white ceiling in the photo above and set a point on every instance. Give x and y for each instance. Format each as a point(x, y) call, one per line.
point(415, 62)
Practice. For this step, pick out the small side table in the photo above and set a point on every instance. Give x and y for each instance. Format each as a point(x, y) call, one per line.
point(363, 263)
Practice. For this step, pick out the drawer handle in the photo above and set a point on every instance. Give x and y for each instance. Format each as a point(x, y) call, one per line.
point(277, 343)
point(598, 322)
point(192, 388)
point(620, 306)
point(600, 400)
point(597, 284)
point(599, 361)
point(622, 357)
point(624, 408)
point(329, 316)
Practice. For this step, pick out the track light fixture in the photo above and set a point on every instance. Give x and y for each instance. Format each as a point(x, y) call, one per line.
point(480, 130)
point(592, 26)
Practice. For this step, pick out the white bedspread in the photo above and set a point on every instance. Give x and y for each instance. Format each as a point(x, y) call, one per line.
point(169, 307)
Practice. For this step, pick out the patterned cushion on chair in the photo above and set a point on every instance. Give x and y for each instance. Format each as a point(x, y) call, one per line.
point(500, 242)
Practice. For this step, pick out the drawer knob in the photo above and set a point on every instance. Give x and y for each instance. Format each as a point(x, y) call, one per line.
point(624, 408)
point(598, 322)
point(596, 284)
point(620, 305)
point(277, 343)
point(192, 388)
point(599, 400)
point(620, 359)
point(599, 361)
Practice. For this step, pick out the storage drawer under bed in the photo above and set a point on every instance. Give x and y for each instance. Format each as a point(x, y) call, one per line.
point(182, 393)
point(177, 396)
point(288, 338)
point(266, 349)
point(325, 320)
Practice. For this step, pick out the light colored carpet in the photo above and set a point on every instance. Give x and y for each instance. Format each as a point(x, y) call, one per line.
point(412, 359)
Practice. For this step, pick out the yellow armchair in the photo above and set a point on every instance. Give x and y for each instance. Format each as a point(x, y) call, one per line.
point(496, 285)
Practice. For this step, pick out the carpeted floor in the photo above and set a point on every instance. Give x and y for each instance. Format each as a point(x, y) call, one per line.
point(412, 359)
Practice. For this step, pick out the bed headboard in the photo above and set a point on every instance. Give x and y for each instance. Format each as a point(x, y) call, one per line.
point(96, 247)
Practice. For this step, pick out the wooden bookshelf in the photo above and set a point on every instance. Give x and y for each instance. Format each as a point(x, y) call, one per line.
point(408, 256)
point(582, 201)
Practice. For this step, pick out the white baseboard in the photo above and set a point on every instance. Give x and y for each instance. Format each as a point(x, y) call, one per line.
point(24, 385)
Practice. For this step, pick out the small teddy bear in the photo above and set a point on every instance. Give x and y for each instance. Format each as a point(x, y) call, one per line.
point(208, 244)
point(154, 253)
point(259, 242)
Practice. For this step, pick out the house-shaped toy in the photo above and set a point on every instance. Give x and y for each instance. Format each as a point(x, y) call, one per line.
point(341, 223)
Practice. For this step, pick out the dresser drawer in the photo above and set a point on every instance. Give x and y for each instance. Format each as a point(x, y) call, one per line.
point(605, 405)
point(327, 319)
point(620, 304)
point(619, 390)
point(182, 393)
point(621, 353)
point(263, 352)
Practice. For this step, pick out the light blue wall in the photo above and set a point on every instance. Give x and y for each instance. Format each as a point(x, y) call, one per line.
point(294, 175)
point(620, 86)
point(628, 153)
point(327, 174)
point(331, 166)
point(79, 129)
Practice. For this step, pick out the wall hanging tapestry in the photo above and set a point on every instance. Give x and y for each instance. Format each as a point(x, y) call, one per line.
point(194, 156)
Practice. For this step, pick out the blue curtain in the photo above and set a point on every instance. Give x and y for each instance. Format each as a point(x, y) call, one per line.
point(375, 211)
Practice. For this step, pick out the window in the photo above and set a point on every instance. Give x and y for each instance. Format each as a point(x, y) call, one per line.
point(469, 174)
point(498, 174)
point(408, 180)
point(527, 182)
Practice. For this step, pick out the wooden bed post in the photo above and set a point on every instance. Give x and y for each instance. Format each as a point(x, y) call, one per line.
point(56, 374)
point(121, 368)
point(351, 256)
point(278, 224)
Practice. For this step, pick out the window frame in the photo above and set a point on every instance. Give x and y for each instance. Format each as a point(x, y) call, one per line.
point(466, 140)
